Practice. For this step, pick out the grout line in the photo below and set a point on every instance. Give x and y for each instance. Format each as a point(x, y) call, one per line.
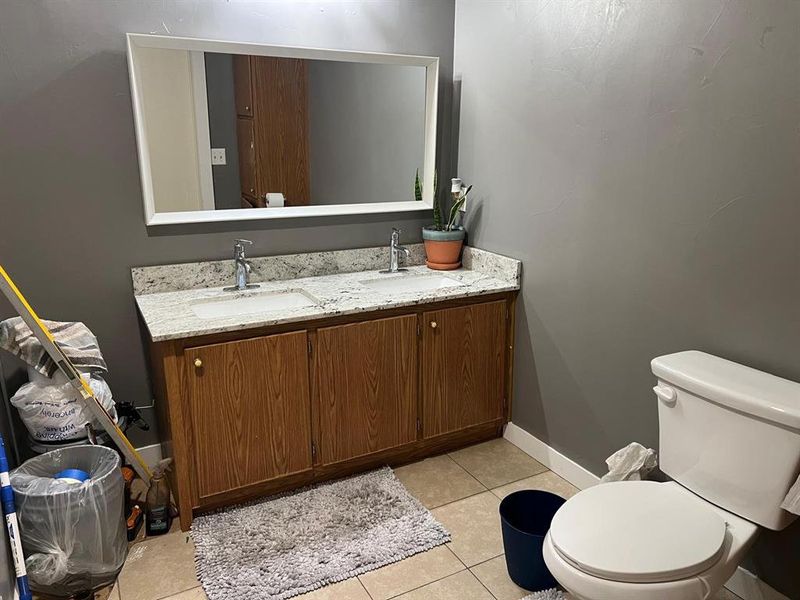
point(458, 558)
point(194, 587)
point(488, 591)
point(483, 562)
point(467, 471)
point(419, 587)
point(546, 469)
point(457, 500)
point(363, 587)
point(523, 478)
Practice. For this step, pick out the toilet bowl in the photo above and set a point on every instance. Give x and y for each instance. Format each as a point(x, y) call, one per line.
point(682, 540)
point(642, 541)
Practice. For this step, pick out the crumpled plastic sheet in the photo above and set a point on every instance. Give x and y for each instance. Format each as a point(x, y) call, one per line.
point(792, 501)
point(54, 413)
point(73, 534)
point(634, 462)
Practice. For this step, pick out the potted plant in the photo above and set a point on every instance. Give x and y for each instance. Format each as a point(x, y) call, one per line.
point(443, 241)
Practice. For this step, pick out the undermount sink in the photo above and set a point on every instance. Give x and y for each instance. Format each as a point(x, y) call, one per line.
point(248, 303)
point(411, 283)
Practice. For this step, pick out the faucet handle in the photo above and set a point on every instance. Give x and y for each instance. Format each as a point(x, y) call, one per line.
point(242, 242)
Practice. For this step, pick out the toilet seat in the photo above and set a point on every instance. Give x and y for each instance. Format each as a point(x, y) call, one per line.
point(647, 532)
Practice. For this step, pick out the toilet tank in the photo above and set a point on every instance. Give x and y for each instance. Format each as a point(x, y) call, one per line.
point(729, 433)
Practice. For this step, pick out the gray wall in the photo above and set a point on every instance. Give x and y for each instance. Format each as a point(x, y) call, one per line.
point(641, 158)
point(73, 222)
point(222, 129)
point(366, 131)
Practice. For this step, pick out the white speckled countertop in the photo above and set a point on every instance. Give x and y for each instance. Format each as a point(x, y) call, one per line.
point(335, 280)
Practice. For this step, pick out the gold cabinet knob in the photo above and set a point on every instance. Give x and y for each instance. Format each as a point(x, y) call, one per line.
point(434, 324)
point(198, 363)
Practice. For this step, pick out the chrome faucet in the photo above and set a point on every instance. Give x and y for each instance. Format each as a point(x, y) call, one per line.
point(394, 252)
point(242, 268)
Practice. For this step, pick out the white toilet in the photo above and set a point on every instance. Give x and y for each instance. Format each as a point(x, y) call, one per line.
point(730, 440)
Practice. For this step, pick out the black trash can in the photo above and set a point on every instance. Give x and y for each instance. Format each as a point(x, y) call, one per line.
point(525, 517)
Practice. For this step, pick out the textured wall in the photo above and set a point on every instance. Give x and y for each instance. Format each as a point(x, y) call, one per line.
point(372, 116)
point(222, 129)
point(71, 202)
point(642, 159)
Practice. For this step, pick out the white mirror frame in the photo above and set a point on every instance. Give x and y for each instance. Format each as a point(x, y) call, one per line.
point(431, 64)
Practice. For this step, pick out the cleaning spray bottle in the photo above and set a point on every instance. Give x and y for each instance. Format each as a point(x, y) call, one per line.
point(159, 517)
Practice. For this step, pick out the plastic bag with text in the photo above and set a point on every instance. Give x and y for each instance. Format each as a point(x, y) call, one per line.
point(52, 413)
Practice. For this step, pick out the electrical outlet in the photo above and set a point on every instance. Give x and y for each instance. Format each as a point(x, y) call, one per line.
point(218, 156)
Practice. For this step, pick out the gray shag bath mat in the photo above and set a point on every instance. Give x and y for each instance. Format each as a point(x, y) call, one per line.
point(552, 594)
point(291, 544)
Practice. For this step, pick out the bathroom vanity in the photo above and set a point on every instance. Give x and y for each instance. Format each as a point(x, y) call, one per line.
point(327, 368)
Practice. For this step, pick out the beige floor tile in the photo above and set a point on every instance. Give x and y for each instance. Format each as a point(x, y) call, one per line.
point(494, 575)
point(497, 462)
point(349, 589)
point(461, 586)
point(158, 567)
point(193, 594)
point(474, 524)
point(438, 480)
point(410, 573)
point(548, 481)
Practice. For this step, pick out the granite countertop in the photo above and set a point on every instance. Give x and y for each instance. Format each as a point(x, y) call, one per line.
point(334, 280)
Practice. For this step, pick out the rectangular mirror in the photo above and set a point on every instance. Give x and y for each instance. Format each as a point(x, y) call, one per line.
point(235, 131)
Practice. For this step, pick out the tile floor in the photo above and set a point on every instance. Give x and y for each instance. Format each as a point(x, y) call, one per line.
point(463, 490)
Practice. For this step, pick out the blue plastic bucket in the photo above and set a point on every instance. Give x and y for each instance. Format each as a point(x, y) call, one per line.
point(525, 517)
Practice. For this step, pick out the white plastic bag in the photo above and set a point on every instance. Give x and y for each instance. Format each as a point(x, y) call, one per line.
point(792, 501)
point(52, 413)
point(631, 463)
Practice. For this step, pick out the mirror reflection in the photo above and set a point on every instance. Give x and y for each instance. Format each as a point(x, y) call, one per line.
point(228, 131)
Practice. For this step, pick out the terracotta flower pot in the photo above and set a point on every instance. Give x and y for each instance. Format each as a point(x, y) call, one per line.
point(443, 248)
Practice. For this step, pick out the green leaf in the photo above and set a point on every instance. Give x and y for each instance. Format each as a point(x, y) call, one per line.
point(417, 188)
point(437, 214)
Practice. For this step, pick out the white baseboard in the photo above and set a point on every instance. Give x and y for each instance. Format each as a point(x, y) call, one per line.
point(743, 583)
point(550, 458)
point(150, 454)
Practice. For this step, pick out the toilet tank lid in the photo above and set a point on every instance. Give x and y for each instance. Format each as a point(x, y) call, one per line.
point(730, 384)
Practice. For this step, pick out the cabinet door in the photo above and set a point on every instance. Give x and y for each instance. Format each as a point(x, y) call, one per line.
point(463, 366)
point(250, 408)
point(366, 382)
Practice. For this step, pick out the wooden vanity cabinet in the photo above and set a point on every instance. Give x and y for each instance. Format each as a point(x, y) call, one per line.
point(259, 411)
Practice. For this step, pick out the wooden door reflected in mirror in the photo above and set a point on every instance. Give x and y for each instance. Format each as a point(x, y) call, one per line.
point(272, 128)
